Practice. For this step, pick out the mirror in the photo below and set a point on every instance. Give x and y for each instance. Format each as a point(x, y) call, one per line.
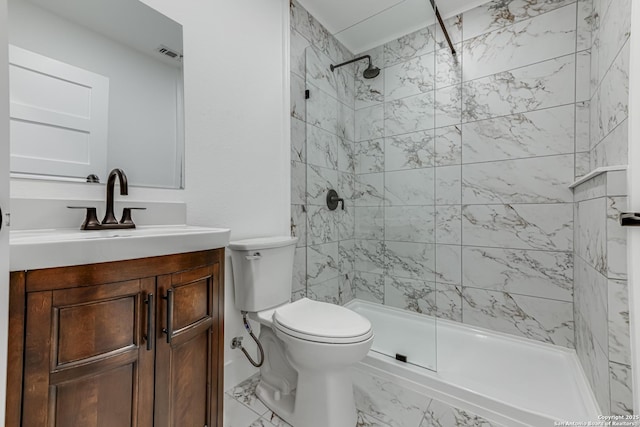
point(96, 85)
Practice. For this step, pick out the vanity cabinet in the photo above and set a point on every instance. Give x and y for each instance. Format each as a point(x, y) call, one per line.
point(126, 343)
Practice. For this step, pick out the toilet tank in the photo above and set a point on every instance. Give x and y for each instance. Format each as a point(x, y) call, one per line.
point(262, 271)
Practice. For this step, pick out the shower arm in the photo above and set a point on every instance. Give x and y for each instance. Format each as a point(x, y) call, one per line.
point(444, 29)
point(333, 67)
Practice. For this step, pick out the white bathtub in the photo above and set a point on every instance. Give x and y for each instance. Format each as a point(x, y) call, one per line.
point(507, 379)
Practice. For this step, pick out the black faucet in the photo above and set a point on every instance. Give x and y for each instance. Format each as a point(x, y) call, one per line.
point(109, 222)
point(109, 217)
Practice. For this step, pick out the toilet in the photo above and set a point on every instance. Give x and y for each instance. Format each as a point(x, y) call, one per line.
point(309, 346)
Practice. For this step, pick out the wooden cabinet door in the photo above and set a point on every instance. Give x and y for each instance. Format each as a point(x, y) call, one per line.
point(86, 358)
point(186, 355)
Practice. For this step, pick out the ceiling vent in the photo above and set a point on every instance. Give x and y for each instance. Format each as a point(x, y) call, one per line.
point(169, 53)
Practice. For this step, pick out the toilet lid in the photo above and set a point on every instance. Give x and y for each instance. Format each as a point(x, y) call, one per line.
point(321, 321)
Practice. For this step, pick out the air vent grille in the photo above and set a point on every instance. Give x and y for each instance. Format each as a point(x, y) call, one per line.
point(170, 53)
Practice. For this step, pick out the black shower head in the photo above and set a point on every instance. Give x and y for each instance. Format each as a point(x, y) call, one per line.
point(369, 73)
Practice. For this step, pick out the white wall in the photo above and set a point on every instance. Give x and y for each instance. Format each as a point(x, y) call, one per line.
point(142, 91)
point(236, 121)
point(4, 202)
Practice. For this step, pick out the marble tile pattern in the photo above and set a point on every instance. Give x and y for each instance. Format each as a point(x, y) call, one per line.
point(448, 265)
point(369, 92)
point(601, 304)
point(448, 145)
point(609, 72)
point(448, 67)
point(533, 87)
point(409, 224)
point(621, 389)
point(616, 238)
point(524, 226)
point(408, 78)
point(544, 132)
point(370, 223)
point(449, 224)
point(495, 15)
point(243, 409)
point(548, 35)
point(323, 157)
point(544, 320)
point(411, 151)
point(591, 302)
point(610, 105)
point(613, 149)
point(594, 363)
point(379, 403)
point(410, 114)
point(442, 414)
point(440, 188)
point(618, 319)
point(409, 187)
point(410, 294)
point(546, 180)
point(369, 286)
point(410, 46)
point(585, 24)
point(385, 403)
point(526, 272)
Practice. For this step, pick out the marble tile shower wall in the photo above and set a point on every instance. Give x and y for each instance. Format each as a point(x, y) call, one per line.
point(601, 309)
point(322, 134)
point(601, 303)
point(609, 78)
point(463, 165)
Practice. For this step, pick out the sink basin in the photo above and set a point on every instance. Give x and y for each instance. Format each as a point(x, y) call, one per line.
point(34, 249)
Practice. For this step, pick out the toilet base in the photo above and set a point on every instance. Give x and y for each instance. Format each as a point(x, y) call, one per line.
point(325, 399)
point(320, 400)
point(281, 405)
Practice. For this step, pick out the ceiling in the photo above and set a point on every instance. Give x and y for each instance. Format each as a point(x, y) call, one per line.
point(363, 24)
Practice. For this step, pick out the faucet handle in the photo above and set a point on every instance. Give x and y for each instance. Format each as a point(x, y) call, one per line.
point(126, 216)
point(91, 219)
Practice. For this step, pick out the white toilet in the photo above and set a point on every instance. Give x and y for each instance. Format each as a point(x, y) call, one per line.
point(309, 346)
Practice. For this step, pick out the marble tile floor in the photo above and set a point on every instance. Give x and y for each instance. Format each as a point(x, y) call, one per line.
point(401, 408)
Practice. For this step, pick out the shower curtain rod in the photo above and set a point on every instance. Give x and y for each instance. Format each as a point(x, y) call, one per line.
point(444, 30)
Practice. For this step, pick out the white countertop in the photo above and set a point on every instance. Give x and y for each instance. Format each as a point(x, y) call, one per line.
point(35, 249)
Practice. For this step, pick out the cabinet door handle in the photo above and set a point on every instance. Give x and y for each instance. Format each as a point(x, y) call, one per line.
point(150, 332)
point(169, 329)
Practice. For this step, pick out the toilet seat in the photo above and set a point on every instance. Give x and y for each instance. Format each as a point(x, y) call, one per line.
point(321, 322)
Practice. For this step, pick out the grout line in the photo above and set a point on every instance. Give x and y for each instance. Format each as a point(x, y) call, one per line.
point(510, 24)
point(461, 83)
point(520, 294)
point(575, 100)
point(566, 55)
point(615, 58)
point(623, 122)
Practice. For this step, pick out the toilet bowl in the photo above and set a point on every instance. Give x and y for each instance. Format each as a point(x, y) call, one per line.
point(321, 347)
point(309, 346)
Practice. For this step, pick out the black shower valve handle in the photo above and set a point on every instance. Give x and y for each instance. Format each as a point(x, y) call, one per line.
point(333, 199)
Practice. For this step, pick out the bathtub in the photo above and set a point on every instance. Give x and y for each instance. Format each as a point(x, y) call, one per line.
point(510, 380)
